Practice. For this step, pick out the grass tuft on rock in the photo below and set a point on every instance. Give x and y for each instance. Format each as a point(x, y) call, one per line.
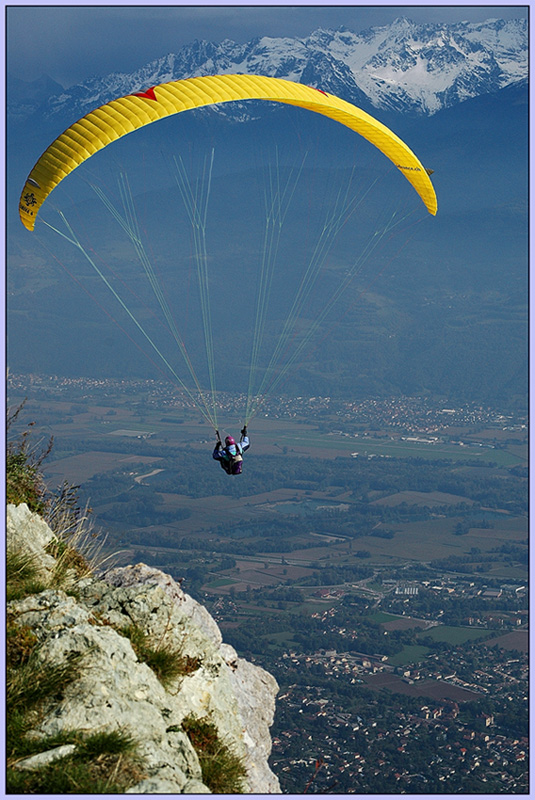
point(102, 763)
point(167, 662)
point(24, 480)
point(223, 770)
point(75, 547)
point(22, 576)
point(31, 683)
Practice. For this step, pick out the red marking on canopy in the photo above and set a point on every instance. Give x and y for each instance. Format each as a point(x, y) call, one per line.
point(318, 90)
point(148, 94)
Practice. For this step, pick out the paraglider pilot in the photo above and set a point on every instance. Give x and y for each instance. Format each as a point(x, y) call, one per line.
point(230, 456)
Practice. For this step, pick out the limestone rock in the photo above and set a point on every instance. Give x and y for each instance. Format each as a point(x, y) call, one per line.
point(48, 757)
point(117, 690)
point(255, 691)
point(141, 573)
point(28, 533)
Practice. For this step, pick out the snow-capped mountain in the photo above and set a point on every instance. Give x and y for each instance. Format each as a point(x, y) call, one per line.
point(404, 66)
point(427, 67)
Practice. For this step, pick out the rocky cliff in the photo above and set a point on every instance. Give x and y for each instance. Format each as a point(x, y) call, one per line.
point(117, 690)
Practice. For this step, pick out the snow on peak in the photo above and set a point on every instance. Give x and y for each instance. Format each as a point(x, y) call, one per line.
point(402, 66)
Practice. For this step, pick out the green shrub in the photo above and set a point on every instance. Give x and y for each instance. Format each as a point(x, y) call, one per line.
point(223, 771)
point(25, 577)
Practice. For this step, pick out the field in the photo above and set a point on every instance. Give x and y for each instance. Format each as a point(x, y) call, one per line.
point(425, 499)
point(410, 654)
point(455, 636)
point(79, 468)
point(297, 436)
point(333, 446)
point(416, 541)
point(516, 640)
point(435, 690)
point(128, 438)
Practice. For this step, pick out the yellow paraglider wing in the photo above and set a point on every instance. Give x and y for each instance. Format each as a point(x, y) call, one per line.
point(126, 114)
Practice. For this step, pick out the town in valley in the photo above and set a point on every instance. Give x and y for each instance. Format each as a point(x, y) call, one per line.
point(373, 557)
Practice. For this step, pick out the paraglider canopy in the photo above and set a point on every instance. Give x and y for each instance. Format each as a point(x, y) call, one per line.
point(115, 119)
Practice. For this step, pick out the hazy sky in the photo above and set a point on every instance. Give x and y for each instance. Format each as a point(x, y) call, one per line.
point(72, 43)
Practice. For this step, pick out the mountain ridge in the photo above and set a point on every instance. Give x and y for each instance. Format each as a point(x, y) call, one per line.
point(402, 67)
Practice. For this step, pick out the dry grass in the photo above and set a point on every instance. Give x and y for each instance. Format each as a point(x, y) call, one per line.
point(223, 770)
point(24, 480)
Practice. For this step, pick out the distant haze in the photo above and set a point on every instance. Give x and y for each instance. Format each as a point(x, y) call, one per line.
point(440, 309)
